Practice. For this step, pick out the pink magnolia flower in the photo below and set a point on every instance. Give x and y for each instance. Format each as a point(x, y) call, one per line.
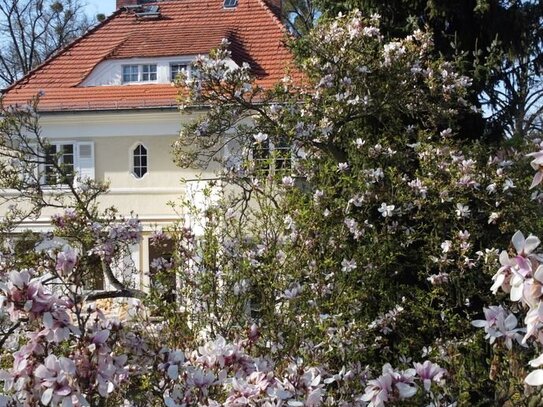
point(26, 297)
point(378, 391)
point(58, 326)
point(391, 384)
point(66, 261)
point(429, 372)
point(55, 376)
point(499, 323)
point(537, 164)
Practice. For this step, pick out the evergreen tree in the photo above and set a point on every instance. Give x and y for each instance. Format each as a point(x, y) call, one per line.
point(498, 41)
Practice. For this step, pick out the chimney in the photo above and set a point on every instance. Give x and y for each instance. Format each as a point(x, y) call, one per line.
point(276, 6)
point(122, 3)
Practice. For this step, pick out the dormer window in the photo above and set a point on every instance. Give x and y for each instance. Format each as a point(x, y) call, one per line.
point(230, 3)
point(130, 73)
point(139, 73)
point(148, 73)
point(176, 69)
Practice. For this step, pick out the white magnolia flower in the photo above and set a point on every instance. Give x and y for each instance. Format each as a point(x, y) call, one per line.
point(462, 211)
point(348, 265)
point(260, 137)
point(386, 210)
point(288, 181)
point(493, 217)
point(446, 246)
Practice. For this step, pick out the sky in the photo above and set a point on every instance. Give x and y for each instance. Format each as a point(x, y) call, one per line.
point(100, 6)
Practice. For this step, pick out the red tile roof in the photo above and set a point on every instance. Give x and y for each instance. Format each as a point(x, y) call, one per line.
point(186, 27)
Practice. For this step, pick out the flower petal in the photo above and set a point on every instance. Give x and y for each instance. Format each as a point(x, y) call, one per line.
point(531, 244)
point(406, 390)
point(537, 361)
point(518, 241)
point(535, 378)
point(538, 177)
point(47, 396)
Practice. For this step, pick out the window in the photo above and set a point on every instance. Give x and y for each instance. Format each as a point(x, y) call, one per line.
point(139, 73)
point(130, 73)
point(230, 3)
point(148, 73)
point(63, 156)
point(139, 161)
point(176, 69)
point(269, 157)
point(161, 270)
point(62, 161)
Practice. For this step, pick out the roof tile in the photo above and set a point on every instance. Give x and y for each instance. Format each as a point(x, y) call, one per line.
point(186, 27)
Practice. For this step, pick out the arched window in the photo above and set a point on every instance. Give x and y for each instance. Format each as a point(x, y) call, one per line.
point(139, 161)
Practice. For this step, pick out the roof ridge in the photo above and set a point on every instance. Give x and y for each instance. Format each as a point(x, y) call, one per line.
point(61, 51)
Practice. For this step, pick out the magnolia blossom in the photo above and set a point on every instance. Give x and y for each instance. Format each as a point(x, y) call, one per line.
point(56, 375)
point(537, 164)
point(446, 246)
point(522, 276)
point(66, 261)
point(260, 137)
point(462, 211)
point(429, 372)
point(511, 276)
point(499, 323)
point(348, 265)
point(494, 216)
point(386, 210)
point(288, 181)
point(391, 385)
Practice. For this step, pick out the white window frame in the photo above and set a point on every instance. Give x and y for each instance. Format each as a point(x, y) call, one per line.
point(131, 157)
point(147, 72)
point(57, 146)
point(187, 70)
point(77, 163)
point(271, 166)
point(123, 80)
point(144, 71)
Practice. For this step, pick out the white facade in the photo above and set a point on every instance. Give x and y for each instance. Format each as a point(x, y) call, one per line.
point(112, 137)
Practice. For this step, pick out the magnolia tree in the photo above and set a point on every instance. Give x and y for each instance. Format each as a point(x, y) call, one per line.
point(372, 241)
point(343, 261)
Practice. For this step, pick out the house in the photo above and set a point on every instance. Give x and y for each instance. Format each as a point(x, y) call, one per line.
point(109, 106)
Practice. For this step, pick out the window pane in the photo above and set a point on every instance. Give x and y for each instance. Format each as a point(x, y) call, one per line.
point(130, 73)
point(139, 161)
point(176, 69)
point(230, 3)
point(68, 148)
point(67, 159)
point(149, 72)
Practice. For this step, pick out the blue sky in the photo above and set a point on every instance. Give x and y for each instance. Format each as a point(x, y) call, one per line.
point(100, 6)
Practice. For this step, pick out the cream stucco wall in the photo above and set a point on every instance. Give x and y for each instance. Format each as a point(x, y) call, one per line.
point(114, 134)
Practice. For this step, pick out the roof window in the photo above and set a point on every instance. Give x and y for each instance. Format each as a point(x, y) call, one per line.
point(230, 3)
point(145, 12)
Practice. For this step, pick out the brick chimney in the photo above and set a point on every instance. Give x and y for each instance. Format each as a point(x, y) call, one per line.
point(122, 3)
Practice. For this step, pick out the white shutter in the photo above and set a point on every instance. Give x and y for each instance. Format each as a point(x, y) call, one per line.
point(85, 160)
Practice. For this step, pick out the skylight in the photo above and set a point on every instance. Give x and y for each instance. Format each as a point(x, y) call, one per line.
point(230, 3)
